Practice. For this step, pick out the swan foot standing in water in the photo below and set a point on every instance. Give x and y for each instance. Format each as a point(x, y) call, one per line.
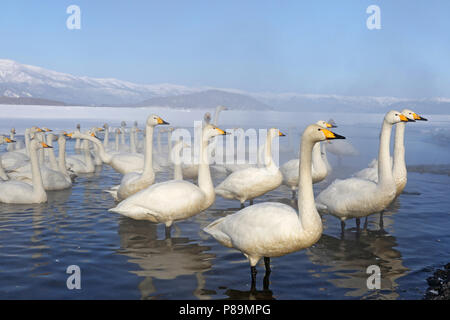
point(271, 229)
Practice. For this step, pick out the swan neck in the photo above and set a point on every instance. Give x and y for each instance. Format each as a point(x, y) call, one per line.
point(148, 156)
point(204, 175)
point(132, 142)
point(384, 158)
point(399, 150)
point(106, 138)
point(51, 154)
point(309, 217)
point(177, 171)
point(36, 177)
point(62, 156)
point(268, 152)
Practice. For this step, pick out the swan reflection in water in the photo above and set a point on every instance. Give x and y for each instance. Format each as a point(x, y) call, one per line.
point(163, 259)
point(349, 256)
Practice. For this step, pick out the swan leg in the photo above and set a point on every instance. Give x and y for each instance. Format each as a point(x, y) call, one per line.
point(381, 220)
point(253, 273)
point(342, 227)
point(366, 222)
point(251, 202)
point(167, 231)
point(242, 205)
point(267, 264)
point(293, 194)
point(266, 281)
point(358, 224)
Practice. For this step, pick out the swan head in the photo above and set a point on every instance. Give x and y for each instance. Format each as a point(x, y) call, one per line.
point(106, 126)
point(210, 131)
point(123, 124)
point(317, 133)
point(326, 125)
point(78, 126)
point(39, 144)
point(13, 130)
point(154, 120)
point(274, 132)
point(4, 139)
point(411, 115)
point(46, 129)
point(394, 117)
point(207, 118)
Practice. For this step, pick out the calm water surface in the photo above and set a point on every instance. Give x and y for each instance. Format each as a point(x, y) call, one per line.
point(121, 258)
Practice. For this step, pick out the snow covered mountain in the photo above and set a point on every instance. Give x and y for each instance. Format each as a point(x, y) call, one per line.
point(31, 83)
point(20, 80)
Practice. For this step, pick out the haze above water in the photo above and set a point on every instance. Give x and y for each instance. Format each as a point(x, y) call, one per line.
point(125, 259)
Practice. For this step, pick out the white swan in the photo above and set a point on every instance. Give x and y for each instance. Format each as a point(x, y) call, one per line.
point(19, 192)
point(272, 229)
point(399, 165)
point(52, 177)
point(122, 162)
point(319, 166)
point(355, 197)
point(133, 182)
point(85, 164)
point(18, 158)
point(249, 183)
point(174, 200)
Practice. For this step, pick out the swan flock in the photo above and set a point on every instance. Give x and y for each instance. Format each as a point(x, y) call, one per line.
point(263, 230)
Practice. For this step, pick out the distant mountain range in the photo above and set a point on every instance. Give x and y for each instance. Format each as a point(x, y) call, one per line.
point(25, 84)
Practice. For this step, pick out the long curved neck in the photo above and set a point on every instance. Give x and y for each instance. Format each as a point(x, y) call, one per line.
point(122, 137)
point(177, 171)
point(132, 142)
point(62, 157)
point(87, 154)
point(204, 175)
point(117, 142)
point(309, 217)
point(106, 138)
point(148, 156)
point(51, 154)
point(38, 185)
point(268, 161)
point(317, 160)
point(27, 141)
point(106, 158)
point(169, 144)
point(399, 168)
point(384, 158)
point(78, 141)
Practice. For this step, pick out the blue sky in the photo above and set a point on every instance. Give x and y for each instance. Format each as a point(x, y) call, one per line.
point(299, 46)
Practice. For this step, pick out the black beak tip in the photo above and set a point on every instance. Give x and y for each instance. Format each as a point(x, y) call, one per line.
point(338, 136)
point(334, 126)
point(423, 119)
point(283, 135)
point(165, 122)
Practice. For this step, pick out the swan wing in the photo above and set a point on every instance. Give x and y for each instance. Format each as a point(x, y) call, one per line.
point(262, 229)
point(161, 202)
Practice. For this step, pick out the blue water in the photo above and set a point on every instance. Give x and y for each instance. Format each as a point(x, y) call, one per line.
point(121, 258)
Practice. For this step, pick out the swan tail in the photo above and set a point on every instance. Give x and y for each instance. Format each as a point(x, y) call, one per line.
point(215, 231)
point(321, 207)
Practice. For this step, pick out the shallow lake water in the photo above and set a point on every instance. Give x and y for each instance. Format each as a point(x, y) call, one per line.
point(121, 258)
